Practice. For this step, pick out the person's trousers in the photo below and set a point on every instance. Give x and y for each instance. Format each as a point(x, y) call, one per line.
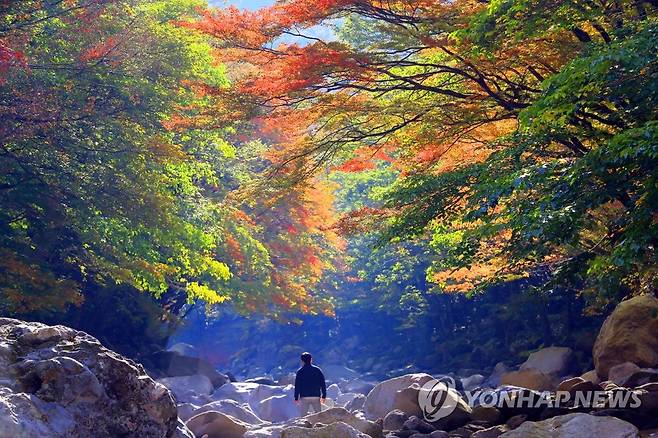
point(309, 402)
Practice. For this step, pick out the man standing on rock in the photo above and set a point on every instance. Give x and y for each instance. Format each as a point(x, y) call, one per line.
point(310, 387)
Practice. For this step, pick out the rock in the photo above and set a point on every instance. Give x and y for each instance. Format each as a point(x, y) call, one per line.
point(489, 414)
point(252, 393)
point(262, 381)
point(516, 421)
point(356, 403)
point(591, 376)
point(216, 425)
point(492, 432)
point(530, 379)
point(59, 382)
point(629, 334)
point(334, 430)
point(286, 379)
point(184, 349)
point(333, 391)
point(472, 382)
point(641, 377)
point(406, 400)
point(566, 385)
point(342, 415)
point(585, 387)
point(357, 386)
point(415, 423)
point(394, 420)
point(648, 401)
point(381, 400)
point(182, 430)
point(277, 408)
point(266, 432)
point(242, 412)
point(494, 379)
point(635, 417)
point(185, 388)
point(620, 372)
point(439, 434)
point(172, 364)
point(554, 361)
point(575, 425)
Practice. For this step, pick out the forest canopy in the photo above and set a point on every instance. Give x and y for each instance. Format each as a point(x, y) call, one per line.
point(219, 155)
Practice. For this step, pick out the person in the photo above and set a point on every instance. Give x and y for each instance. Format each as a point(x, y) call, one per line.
point(310, 387)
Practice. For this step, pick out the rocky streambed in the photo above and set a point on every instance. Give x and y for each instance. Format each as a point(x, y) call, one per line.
point(60, 382)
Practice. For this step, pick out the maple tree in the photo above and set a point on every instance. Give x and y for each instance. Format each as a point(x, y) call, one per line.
point(104, 184)
point(497, 117)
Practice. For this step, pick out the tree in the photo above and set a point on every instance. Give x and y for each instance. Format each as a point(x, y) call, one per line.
point(102, 180)
point(521, 130)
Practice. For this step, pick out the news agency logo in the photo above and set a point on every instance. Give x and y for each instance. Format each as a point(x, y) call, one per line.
point(438, 399)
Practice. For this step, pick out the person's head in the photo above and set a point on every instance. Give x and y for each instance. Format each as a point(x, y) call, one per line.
point(307, 358)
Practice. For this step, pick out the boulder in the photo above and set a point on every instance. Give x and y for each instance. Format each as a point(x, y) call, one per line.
point(554, 361)
point(273, 431)
point(349, 397)
point(358, 422)
point(334, 430)
point(575, 425)
point(251, 393)
point(59, 382)
point(406, 400)
point(591, 376)
point(530, 379)
point(264, 380)
point(567, 384)
point(333, 391)
point(472, 382)
point(415, 423)
point(499, 370)
point(277, 408)
point(356, 403)
point(358, 386)
point(381, 400)
point(216, 425)
point(620, 372)
point(186, 388)
point(242, 412)
point(641, 377)
point(395, 419)
point(173, 364)
point(629, 334)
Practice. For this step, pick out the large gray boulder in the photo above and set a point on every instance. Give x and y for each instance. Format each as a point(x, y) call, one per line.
point(382, 399)
point(277, 408)
point(574, 426)
point(173, 364)
point(188, 388)
point(59, 382)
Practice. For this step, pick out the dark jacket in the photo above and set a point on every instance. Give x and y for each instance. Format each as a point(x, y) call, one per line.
point(310, 382)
